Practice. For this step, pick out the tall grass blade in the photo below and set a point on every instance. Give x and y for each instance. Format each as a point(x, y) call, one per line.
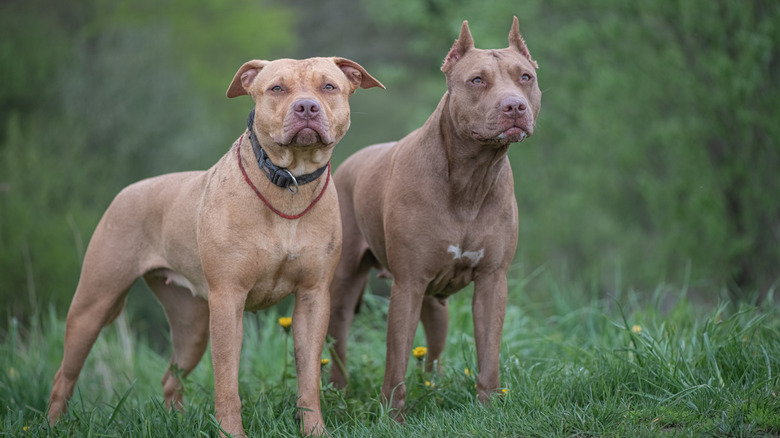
point(711, 358)
point(120, 403)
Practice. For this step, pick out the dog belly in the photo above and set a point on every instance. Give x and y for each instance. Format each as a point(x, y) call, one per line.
point(176, 279)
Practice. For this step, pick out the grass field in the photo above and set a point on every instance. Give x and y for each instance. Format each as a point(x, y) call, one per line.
point(573, 365)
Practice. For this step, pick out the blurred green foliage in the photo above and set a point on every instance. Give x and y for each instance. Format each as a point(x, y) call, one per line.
point(96, 95)
point(655, 157)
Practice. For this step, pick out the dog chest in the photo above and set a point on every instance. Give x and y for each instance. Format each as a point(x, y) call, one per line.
point(456, 270)
point(282, 273)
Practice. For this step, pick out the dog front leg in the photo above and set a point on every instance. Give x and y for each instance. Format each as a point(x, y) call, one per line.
point(403, 316)
point(310, 325)
point(226, 327)
point(488, 309)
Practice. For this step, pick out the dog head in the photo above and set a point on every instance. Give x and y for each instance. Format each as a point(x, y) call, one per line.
point(300, 104)
point(494, 95)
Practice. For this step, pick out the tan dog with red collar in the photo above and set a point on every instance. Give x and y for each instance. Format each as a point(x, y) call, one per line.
point(437, 210)
point(213, 244)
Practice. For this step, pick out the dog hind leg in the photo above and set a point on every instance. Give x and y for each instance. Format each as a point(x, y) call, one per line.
point(188, 318)
point(100, 296)
point(435, 321)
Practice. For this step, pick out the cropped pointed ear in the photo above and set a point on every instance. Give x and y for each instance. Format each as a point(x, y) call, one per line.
point(357, 75)
point(516, 41)
point(463, 44)
point(244, 77)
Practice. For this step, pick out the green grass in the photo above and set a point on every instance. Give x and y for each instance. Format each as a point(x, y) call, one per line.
point(573, 364)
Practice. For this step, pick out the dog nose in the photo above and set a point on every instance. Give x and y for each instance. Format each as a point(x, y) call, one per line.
point(513, 106)
point(307, 108)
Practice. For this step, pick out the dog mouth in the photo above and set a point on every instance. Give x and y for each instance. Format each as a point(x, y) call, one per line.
point(513, 134)
point(306, 136)
point(306, 133)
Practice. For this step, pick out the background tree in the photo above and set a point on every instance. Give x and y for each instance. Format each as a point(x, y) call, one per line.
point(655, 159)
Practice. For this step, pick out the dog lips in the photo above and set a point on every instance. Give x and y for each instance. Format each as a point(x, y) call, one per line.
point(306, 136)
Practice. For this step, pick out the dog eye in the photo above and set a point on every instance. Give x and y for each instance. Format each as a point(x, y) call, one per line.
point(526, 77)
point(277, 89)
point(329, 87)
point(478, 81)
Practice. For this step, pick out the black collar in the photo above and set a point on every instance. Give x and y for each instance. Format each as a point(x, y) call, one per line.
point(279, 176)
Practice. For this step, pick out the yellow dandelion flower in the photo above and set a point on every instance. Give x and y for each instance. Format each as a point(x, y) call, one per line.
point(467, 372)
point(325, 361)
point(504, 391)
point(636, 328)
point(428, 383)
point(25, 428)
point(419, 352)
point(285, 322)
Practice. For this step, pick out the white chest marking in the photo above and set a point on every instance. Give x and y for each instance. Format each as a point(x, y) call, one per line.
point(474, 256)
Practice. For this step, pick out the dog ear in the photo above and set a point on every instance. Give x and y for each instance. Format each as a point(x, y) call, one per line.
point(463, 44)
point(357, 75)
point(516, 41)
point(244, 77)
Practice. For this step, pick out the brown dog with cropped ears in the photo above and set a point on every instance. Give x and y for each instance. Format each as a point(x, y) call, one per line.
point(259, 225)
point(437, 210)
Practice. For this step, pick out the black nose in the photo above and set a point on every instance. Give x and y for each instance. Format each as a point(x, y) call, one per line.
point(307, 108)
point(513, 106)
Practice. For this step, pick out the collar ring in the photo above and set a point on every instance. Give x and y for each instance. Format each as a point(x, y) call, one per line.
point(293, 180)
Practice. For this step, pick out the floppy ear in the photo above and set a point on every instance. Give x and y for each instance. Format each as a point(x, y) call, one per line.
point(463, 44)
point(357, 75)
point(244, 77)
point(517, 42)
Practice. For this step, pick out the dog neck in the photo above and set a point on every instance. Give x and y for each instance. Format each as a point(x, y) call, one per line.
point(472, 167)
point(289, 197)
point(279, 176)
